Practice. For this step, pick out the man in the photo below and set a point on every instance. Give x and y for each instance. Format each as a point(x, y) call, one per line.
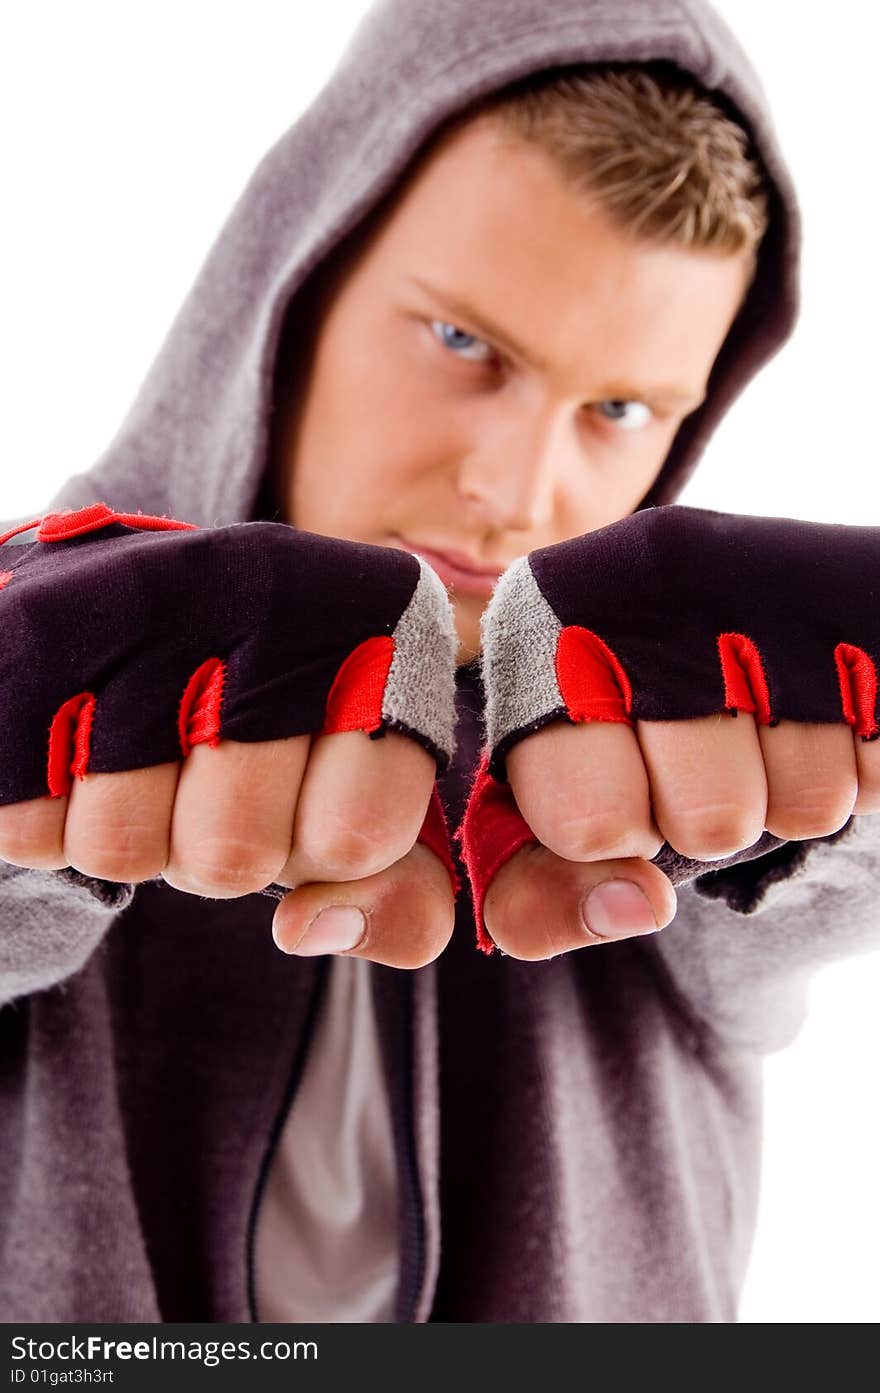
point(475, 450)
point(317, 1136)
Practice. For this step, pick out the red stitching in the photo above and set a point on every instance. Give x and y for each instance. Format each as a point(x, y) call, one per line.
point(70, 736)
point(355, 700)
point(591, 678)
point(56, 527)
point(154, 524)
point(857, 679)
point(198, 717)
point(434, 834)
point(491, 831)
point(14, 531)
point(745, 686)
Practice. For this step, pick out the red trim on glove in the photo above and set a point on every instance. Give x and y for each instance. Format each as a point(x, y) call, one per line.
point(857, 677)
point(69, 739)
point(745, 686)
point(435, 836)
point(591, 677)
point(492, 830)
point(14, 531)
point(355, 700)
point(198, 717)
point(57, 527)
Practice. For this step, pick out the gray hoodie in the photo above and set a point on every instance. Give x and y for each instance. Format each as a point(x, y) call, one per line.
point(574, 1140)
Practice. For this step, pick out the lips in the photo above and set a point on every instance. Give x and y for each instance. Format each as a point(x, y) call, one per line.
point(457, 570)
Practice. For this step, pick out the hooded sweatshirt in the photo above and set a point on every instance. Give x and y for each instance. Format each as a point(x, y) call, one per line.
point(571, 1140)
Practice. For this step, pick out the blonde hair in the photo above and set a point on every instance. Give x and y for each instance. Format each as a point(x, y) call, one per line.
point(661, 158)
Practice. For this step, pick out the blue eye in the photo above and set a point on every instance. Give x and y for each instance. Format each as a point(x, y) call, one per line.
point(634, 423)
point(453, 340)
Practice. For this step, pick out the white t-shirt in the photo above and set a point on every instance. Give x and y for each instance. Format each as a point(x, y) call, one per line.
point(327, 1242)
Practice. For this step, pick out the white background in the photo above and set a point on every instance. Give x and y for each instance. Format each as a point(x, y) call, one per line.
point(128, 132)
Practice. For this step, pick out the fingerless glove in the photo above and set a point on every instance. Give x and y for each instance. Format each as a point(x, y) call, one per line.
point(128, 639)
point(670, 614)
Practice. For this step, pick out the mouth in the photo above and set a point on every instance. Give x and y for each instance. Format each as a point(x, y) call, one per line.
point(456, 570)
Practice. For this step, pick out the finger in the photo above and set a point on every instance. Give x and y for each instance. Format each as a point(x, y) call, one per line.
point(584, 791)
point(540, 904)
point(868, 770)
point(812, 778)
point(32, 833)
point(117, 824)
point(360, 808)
point(708, 785)
point(232, 821)
point(407, 914)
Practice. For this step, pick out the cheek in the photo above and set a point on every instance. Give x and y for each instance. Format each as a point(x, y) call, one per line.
point(613, 481)
point(356, 464)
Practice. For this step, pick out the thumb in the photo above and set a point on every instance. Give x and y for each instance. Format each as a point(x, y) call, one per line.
point(539, 904)
point(402, 916)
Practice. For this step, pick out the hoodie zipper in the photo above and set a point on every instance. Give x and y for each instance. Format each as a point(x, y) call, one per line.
point(322, 977)
point(414, 1228)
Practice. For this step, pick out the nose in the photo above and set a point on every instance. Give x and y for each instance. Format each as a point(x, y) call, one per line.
point(517, 466)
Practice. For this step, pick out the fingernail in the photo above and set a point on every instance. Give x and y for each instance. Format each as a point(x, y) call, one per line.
point(617, 908)
point(334, 930)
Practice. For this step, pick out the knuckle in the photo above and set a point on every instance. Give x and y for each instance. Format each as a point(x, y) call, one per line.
point(868, 783)
point(710, 834)
point(592, 837)
point(867, 802)
point(33, 859)
point(112, 867)
point(26, 851)
point(29, 838)
point(799, 821)
point(349, 850)
point(227, 865)
point(127, 852)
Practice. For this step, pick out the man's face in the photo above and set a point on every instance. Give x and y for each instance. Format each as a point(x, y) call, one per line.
point(497, 369)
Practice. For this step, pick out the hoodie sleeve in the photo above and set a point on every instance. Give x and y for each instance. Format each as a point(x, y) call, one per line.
point(746, 940)
point(52, 922)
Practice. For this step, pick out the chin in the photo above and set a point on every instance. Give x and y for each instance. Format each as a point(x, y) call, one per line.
point(466, 652)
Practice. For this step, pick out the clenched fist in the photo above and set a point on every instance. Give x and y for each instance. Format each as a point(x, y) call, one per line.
point(196, 704)
point(660, 693)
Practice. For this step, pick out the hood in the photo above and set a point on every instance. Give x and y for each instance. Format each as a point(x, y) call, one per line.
point(195, 442)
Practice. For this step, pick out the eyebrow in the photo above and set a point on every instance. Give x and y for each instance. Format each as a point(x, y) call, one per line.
point(612, 391)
